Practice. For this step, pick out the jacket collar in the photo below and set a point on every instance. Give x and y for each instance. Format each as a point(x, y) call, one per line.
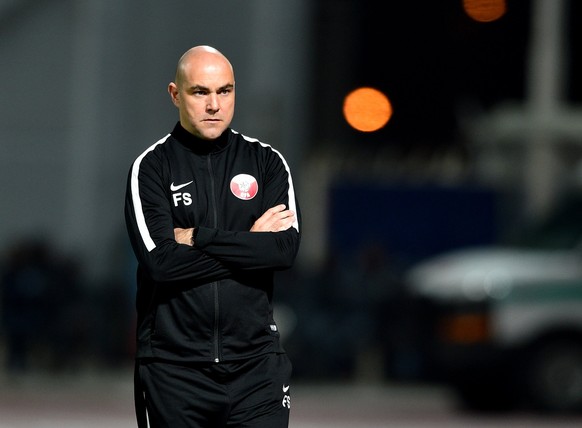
point(198, 145)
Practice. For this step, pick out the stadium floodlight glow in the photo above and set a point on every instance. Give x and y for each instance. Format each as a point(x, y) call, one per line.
point(485, 10)
point(367, 109)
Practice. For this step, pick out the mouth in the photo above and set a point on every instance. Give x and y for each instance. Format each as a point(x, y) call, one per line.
point(212, 121)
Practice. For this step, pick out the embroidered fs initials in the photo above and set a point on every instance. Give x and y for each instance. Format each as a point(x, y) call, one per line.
point(185, 197)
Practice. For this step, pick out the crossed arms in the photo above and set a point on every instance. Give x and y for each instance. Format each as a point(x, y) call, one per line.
point(275, 219)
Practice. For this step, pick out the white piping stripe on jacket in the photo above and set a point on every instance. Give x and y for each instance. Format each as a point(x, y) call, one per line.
point(139, 217)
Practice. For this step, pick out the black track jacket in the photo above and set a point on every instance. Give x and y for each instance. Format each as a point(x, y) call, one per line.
point(211, 301)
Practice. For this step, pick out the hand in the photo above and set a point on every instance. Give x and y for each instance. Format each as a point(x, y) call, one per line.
point(183, 236)
point(276, 219)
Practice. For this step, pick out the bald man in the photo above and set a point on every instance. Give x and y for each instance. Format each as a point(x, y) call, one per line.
point(211, 215)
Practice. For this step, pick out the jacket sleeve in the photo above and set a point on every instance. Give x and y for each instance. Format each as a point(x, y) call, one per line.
point(260, 250)
point(151, 230)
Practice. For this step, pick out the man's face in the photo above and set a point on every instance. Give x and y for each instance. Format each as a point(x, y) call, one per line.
point(204, 95)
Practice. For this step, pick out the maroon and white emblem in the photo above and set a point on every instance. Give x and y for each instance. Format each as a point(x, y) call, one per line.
point(244, 186)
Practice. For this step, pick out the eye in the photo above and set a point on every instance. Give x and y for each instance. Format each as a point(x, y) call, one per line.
point(225, 90)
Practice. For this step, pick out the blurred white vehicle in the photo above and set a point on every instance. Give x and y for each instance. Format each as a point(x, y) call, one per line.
point(503, 325)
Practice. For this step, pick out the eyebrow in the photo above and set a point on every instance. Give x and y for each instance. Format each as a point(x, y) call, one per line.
point(204, 88)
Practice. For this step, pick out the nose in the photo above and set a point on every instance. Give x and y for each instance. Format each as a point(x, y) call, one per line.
point(212, 103)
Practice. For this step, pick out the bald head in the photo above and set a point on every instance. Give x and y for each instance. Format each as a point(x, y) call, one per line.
point(199, 56)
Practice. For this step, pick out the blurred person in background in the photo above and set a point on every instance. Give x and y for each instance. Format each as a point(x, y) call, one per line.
point(39, 295)
point(26, 282)
point(211, 215)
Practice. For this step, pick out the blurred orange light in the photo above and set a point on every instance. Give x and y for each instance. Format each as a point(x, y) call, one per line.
point(485, 10)
point(465, 328)
point(367, 109)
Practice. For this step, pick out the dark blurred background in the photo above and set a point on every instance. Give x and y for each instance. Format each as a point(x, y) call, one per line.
point(483, 144)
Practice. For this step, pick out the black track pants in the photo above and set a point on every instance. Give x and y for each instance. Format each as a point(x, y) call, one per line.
point(251, 393)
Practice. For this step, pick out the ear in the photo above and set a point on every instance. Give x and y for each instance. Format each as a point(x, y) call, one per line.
point(173, 91)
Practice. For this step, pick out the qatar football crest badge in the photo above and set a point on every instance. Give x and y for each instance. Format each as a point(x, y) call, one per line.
point(244, 186)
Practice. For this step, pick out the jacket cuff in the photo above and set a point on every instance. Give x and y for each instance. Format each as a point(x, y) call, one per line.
point(204, 236)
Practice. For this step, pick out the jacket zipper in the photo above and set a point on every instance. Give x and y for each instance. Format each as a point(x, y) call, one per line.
point(216, 335)
point(215, 284)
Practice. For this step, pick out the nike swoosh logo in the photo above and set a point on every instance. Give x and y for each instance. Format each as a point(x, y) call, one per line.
point(179, 186)
point(285, 388)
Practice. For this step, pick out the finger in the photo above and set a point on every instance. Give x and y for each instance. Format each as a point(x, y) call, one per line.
point(283, 214)
point(288, 213)
point(287, 216)
point(285, 226)
point(286, 223)
point(276, 209)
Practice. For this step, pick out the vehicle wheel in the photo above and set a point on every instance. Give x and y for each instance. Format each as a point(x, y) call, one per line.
point(554, 377)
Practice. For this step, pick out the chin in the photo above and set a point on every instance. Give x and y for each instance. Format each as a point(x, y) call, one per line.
point(211, 135)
